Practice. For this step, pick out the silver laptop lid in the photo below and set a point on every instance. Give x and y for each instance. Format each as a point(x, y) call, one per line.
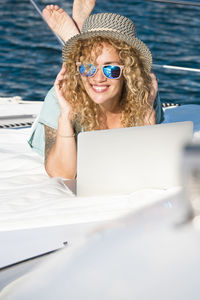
point(120, 161)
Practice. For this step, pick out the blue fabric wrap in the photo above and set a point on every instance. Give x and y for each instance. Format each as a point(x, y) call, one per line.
point(49, 116)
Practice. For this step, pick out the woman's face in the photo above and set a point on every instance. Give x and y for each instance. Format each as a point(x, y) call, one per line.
point(102, 90)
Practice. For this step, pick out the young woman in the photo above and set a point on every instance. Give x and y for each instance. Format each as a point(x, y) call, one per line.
point(105, 82)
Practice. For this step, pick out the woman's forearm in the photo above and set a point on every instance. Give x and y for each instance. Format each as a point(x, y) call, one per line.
point(60, 149)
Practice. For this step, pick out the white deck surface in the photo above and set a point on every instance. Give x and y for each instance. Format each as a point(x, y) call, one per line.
point(16, 106)
point(30, 199)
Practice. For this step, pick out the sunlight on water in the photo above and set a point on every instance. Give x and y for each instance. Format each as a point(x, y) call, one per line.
point(31, 55)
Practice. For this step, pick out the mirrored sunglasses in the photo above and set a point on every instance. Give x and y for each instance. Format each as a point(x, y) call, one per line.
point(110, 71)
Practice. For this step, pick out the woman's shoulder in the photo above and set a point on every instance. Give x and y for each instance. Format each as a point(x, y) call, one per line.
point(50, 110)
point(50, 102)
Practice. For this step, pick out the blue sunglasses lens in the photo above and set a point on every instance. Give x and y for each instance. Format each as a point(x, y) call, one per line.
point(112, 72)
point(87, 70)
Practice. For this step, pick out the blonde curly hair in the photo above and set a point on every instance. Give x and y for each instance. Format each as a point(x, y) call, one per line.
point(134, 105)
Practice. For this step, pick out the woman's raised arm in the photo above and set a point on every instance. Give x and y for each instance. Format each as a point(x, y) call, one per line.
point(60, 144)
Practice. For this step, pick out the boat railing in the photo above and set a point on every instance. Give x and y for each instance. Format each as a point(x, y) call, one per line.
point(16, 122)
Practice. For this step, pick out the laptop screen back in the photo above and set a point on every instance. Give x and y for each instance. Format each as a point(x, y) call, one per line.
point(120, 161)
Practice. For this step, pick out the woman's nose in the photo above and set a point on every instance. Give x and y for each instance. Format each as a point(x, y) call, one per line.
point(99, 76)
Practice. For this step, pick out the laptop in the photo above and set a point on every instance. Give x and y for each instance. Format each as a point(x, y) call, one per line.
point(121, 161)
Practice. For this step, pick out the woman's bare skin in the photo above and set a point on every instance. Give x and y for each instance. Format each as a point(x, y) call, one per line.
point(60, 144)
point(81, 10)
point(62, 24)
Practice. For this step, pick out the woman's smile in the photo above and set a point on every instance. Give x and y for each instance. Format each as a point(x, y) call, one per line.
point(99, 88)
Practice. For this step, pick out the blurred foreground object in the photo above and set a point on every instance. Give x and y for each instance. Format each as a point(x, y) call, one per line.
point(191, 177)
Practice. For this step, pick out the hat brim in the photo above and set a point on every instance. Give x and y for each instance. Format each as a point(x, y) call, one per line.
point(135, 43)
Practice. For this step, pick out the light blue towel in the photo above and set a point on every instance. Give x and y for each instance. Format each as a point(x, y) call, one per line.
point(186, 112)
point(49, 116)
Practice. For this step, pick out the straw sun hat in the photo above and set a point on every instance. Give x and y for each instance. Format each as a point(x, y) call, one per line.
point(111, 26)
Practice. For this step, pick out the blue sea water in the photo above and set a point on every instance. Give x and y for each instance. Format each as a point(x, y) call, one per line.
point(30, 55)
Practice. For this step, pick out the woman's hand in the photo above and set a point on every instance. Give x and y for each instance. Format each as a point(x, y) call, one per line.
point(150, 117)
point(154, 89)
point(58, 86)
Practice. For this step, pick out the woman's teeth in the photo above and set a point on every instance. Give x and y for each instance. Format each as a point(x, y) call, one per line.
point(99, 88)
